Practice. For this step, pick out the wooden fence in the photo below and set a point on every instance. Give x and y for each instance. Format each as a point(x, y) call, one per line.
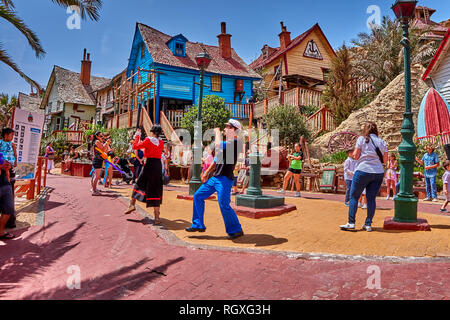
point(32, 188)
point(239, 111)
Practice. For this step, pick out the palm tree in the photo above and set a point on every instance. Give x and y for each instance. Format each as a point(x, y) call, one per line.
point(378, 55)
point(340, 94)
point(88, 8)
point(6, 107)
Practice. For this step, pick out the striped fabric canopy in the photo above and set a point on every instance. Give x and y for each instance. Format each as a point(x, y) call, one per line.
point(434, 115)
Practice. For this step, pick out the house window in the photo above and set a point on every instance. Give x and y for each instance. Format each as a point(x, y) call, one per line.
point(179, 49)
point(216, 83)
point(277, 72)
point(143, 51)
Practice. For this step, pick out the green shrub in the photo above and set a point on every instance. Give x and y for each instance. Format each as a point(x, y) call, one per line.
point(290, 123)
point(335, 158)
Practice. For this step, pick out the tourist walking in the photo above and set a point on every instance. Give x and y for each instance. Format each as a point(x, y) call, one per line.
point(99, 148)
point(50, 156)
point(349, 171)
point(446, 185)
point(371, 153)
point(6, 201)
point(391, 176)
point(295, 170)
point(149, 186)
point(431, 162)
point(9, 152)
point(222, 182)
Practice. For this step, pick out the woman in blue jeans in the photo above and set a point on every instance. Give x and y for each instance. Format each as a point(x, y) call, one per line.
point(369, 174)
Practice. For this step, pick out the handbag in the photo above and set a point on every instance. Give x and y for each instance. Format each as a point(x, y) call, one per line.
point(378, 151)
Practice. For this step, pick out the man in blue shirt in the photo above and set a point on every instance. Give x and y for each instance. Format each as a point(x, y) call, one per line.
point(431, 162)
point(222, 182)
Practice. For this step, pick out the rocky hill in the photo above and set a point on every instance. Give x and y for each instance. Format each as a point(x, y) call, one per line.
point(386, 111)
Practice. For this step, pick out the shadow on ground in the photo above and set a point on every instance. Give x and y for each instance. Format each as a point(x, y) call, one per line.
point(114, 285)
point(24, 258)
point(259, 240)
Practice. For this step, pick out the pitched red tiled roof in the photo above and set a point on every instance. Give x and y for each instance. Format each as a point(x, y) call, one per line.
point(261, 61)
point(421, 24)
point(442, 48)
point(156, 41)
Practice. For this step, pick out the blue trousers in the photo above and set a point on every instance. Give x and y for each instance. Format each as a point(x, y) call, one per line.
point(431, 187)
point(347, 192)
point(372, 183)
point(221, 185)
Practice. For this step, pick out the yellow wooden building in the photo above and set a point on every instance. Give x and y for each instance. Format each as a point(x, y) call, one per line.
point(302, 62)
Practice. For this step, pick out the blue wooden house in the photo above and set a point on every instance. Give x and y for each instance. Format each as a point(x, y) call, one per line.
point(175, 88)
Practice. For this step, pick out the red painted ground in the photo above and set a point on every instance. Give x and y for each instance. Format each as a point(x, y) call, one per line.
point(121, 259)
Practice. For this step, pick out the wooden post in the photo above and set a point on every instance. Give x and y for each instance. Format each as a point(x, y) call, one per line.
point(265, 106)
point(45, 172)
point(324, 123)
point(250, 121)
point(39, 175)
point(30, 193)
point(298, 98)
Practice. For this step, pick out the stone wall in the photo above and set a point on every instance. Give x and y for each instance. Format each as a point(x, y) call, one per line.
point(386, 111)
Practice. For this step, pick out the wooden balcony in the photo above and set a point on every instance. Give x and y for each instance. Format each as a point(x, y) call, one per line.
point(73, 137)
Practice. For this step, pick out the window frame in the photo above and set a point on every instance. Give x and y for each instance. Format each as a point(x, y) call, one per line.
point(220, 82)
point(183, 48)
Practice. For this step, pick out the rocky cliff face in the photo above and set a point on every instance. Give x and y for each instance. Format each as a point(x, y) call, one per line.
point(386, 111)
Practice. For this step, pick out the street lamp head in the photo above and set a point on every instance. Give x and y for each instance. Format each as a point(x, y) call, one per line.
point(203, 59)
point(404, 9)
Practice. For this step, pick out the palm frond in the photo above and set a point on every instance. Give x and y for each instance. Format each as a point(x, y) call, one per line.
point(32, 38)
point(9, 4)
point(90, 8)
point(4, 57)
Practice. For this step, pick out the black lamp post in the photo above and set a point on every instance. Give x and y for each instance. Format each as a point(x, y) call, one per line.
point(405, 201)
point(203, 60)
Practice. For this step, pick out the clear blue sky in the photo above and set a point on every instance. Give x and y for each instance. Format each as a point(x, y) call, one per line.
point(251, 22)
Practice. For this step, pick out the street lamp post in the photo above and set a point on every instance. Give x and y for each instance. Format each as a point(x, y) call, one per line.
point(203, 60)
point(406, 201)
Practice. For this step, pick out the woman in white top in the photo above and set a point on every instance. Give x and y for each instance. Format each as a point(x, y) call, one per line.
point(369, 174)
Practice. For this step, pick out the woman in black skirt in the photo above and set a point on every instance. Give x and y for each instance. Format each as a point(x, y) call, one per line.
point(149, 186)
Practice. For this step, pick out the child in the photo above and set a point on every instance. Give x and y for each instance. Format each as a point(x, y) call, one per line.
point(7, 149)
point(446, 183)
point(295, 169)
point(349, 170)
point(246, 167)
point(391, 176)
point(431, 162)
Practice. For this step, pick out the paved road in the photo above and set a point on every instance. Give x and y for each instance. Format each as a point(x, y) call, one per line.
point(120, 259)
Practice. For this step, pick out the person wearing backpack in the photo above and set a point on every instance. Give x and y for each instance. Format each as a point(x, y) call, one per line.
point(370, 152)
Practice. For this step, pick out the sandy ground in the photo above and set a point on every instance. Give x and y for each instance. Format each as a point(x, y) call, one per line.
point(313, 228)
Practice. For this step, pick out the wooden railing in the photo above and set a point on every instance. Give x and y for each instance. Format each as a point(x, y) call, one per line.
point(168, 130)
point(258, 109)
point(74, 137)
point(291, 98)
point(272, 103)
point(239, 111)
point(322, 120)
point(308, 97)
point(440, 140)
point(174, 117)
point(32, 188)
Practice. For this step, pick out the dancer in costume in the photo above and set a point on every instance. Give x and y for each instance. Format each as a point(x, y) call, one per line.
point(149, 186)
